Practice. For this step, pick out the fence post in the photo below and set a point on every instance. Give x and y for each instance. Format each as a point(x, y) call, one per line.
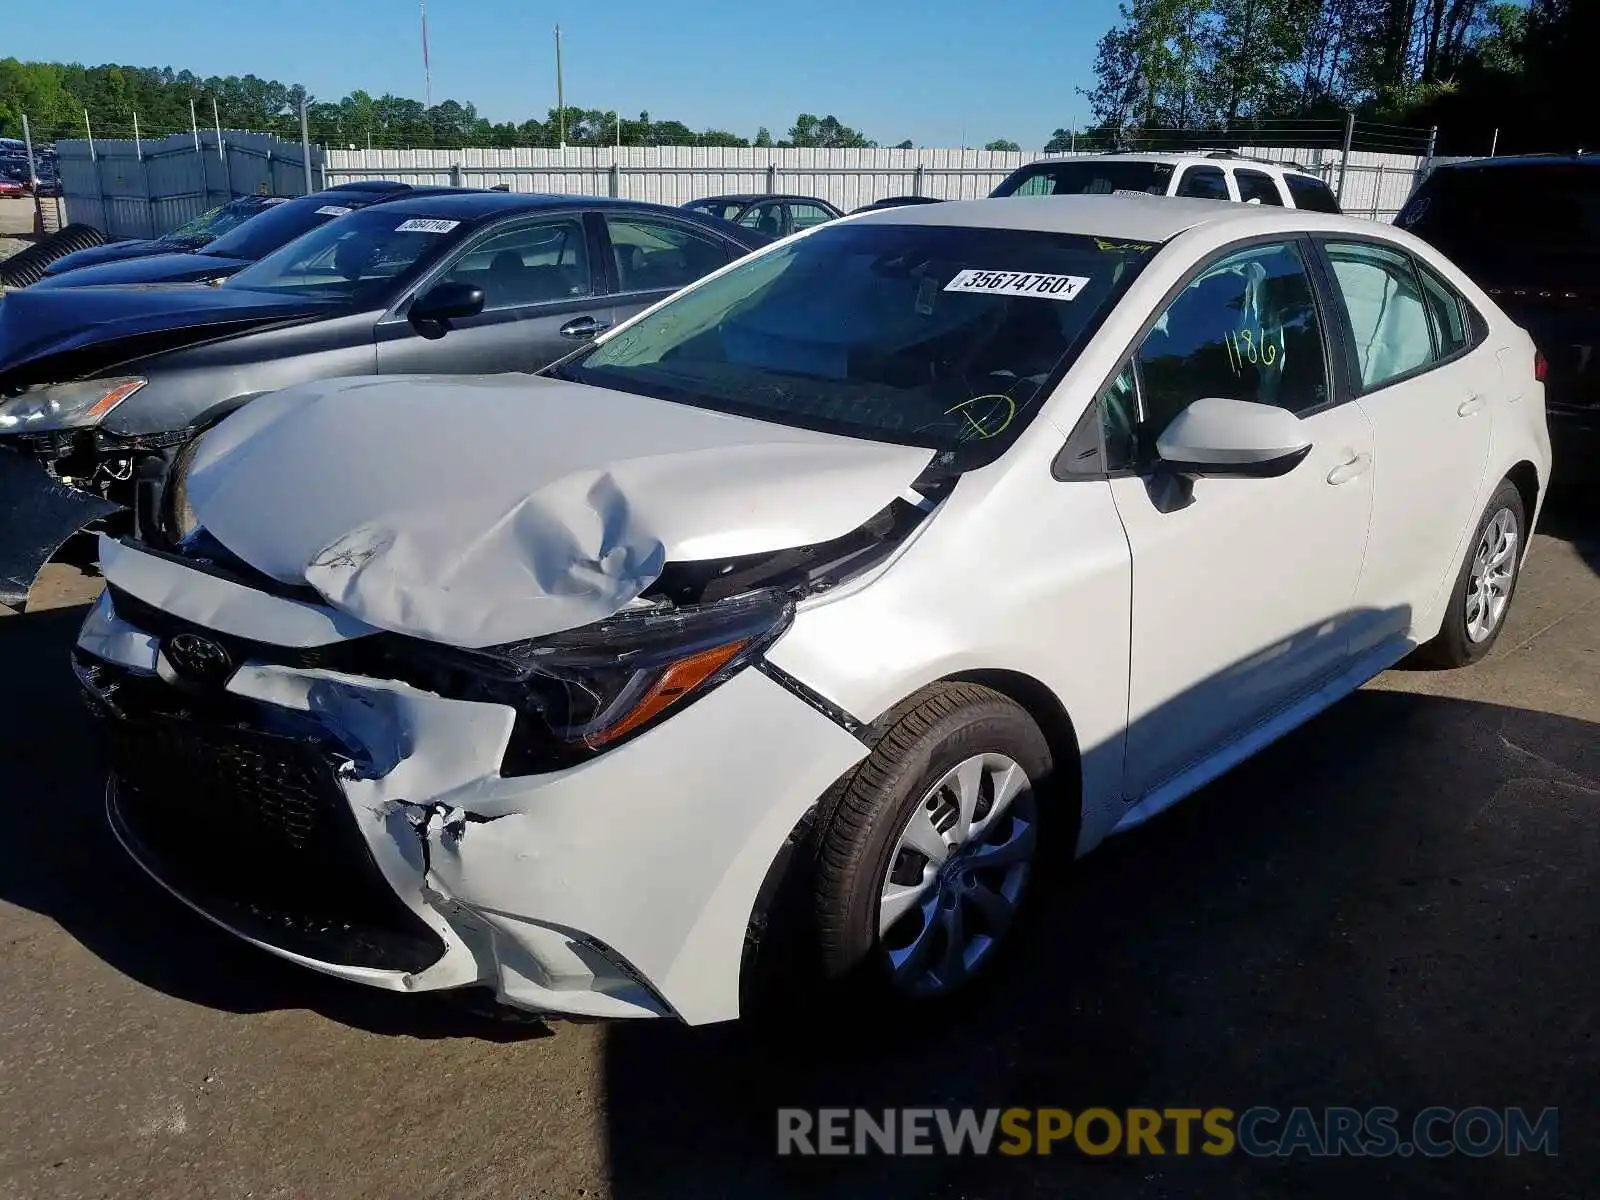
point(33, 167)
point(305, 148)
point(1494, 143)
point(916, 181)
point(772, 178)
point(616, 177)
point(1344, 156)
point(1433, 142)
point(1377, 193)
point(455, 174)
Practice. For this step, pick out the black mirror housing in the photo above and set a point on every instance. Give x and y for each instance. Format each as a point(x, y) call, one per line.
point(431, 311)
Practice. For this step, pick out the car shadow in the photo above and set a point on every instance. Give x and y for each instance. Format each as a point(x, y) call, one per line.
point(1391, 906)
point(1572, 514)
point(66, 864)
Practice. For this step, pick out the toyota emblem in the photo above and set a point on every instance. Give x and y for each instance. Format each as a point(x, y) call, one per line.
point(198, 659)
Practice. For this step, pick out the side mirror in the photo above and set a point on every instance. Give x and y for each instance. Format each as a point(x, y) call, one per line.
point(432, 311)
point(1214, 436)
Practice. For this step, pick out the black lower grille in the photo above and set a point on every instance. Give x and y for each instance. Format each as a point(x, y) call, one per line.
point(252, 828)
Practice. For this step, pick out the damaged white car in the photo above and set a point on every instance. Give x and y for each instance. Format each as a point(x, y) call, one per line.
point(777, 638)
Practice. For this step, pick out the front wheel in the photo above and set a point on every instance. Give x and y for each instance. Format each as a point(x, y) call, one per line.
point(1485, 585)
point(930, 856)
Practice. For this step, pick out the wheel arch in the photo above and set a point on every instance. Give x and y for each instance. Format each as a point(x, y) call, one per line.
point(1524, 476)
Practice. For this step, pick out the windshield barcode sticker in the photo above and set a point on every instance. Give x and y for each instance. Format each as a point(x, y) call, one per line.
point(1019, 283)
point(425, 225)
point(332, 210)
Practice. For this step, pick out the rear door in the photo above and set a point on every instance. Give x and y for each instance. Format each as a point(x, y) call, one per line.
point(648, 256)
point(544, 292)
point(1257, 186)
point(1427, 382)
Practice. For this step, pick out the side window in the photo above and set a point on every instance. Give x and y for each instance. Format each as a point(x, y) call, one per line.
point(1040, 184)
point(527, 265)
point(1451, 326)
point(1257, 185)
point(651, 254)
point(1387, 314)
point(1204, 183)
point(1310, 194)
point(1245, 329)
point(1119, 420)
point(807, 215)
point(765, 218)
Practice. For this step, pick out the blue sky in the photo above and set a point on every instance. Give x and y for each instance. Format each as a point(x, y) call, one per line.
point(941, 72)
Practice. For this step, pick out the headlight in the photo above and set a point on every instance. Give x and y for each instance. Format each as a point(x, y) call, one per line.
point(56, 406)
point(580, 692)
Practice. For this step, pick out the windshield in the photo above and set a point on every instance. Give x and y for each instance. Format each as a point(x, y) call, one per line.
point(924, 335)
point(1550, 208)
point(215, 222)
point(283, 223)
point(1094, 177)
point(358, 260)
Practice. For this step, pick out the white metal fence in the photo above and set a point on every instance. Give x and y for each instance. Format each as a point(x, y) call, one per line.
point(1375, 185)
point(132, 189)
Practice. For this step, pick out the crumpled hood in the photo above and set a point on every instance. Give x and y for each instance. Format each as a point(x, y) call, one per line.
point(477, 510)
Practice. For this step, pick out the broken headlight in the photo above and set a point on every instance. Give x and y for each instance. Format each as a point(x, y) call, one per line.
point(46, 408)
point(583, 691)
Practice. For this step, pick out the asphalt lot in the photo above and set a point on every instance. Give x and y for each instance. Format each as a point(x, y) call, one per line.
point(1396, 905)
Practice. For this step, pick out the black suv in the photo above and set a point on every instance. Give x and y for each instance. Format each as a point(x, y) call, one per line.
point(1527, 229)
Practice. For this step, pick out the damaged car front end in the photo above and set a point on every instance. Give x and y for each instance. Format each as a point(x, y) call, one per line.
point(411, 800)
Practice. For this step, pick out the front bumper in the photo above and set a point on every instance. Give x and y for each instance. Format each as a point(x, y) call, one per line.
point(37, 514)
point(622, 887)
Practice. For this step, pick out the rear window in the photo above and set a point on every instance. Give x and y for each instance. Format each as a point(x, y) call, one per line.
point(282, 223)
point(1079, 177)
point(1554, 206)
point(925, 335)
point(1311, 194)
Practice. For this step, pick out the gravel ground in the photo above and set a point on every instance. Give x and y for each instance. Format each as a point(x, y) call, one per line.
point(16, 225)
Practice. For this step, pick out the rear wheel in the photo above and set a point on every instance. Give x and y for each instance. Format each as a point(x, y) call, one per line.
point(1485, 584)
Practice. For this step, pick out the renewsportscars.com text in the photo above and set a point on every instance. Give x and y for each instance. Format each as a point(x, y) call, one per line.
point(1260, 1132)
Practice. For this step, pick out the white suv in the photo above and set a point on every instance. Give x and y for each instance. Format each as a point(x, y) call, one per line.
point(1217, 175)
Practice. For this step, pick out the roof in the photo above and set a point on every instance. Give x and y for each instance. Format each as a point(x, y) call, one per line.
point(469, 204)
point(1178, 158)
point(752, 197)
point(1523, 160)
point(1139, 218)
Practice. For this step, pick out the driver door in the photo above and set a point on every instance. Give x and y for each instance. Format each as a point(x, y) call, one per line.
point(543, 297)
point(1242, 588)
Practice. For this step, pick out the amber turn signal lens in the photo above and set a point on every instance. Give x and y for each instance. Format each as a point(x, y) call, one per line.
point(111, 399)
point(676, 681)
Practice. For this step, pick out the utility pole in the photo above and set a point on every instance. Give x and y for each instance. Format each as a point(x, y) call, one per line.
point(222, 156)
point(561, 104)
point(90, 132)
point(27, 140)
point(427, 70)
point(138, 146)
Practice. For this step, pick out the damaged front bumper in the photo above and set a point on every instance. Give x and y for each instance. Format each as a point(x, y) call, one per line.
point(37, 515)
point(361, 826)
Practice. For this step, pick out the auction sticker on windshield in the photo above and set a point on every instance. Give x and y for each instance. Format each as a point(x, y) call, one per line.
point(1018, 283)
point(425, 225)
point(333, 210)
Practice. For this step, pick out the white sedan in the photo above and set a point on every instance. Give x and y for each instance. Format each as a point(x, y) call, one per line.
point(767, 647)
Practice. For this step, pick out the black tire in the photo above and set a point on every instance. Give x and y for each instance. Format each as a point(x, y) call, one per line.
point(1454, 646)
point(28, 266)
point(922, 739)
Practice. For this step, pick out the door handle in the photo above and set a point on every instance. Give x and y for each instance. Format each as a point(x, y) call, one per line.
point(580, 328)
point(1469, 406)
point(1356, 465)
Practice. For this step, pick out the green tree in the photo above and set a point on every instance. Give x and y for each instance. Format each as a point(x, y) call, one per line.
point(1001, 144)
point(826, 132)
